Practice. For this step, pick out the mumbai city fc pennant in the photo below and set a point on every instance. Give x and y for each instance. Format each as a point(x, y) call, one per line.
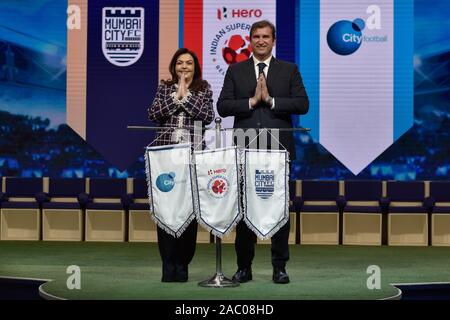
point(266, 191)
point(123, 35)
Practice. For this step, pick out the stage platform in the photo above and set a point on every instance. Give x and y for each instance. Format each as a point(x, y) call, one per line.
point(133, 271)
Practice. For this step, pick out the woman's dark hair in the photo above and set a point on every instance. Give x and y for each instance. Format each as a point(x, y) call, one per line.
point(198, 84)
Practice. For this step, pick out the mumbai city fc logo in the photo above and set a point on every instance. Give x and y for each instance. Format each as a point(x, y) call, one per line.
point(264, 183)
point(123, 35)
point(218, 184)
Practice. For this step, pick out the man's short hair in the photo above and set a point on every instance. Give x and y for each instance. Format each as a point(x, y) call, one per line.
point(263, 24)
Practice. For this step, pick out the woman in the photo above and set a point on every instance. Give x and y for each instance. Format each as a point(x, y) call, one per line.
point(178, 103)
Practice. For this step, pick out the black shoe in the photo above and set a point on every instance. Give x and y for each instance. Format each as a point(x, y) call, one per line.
point(168, 273)
point(243, 275)
point(168, 277)
point(280, 275)
point(181, 273)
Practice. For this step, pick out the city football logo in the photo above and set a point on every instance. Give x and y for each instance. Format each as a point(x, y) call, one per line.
point(165, 181)
point(264, 183)
point(123, 35)
point(345, 37)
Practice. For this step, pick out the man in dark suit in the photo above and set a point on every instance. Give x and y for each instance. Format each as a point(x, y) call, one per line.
point(263, 92)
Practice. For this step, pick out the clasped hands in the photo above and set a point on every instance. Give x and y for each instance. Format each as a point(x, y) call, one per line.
point(182, 90)
point(261, 93)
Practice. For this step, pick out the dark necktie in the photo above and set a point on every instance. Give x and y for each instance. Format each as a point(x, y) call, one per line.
point(261, 67)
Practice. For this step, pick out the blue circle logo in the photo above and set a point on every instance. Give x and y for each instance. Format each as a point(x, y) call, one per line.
point(345, 37)
point(165, 181)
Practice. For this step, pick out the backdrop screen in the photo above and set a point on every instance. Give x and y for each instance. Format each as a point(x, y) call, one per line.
point(36, 139)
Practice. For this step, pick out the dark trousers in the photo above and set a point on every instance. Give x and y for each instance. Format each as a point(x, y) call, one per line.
point(245, 246)
point(177, 251)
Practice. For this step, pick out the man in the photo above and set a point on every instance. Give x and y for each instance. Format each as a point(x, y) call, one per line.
point(263, 92)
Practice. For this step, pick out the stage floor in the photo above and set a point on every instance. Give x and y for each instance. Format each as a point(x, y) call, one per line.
point(133, 270)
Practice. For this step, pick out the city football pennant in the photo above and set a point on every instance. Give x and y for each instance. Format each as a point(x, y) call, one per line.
point(356, 59)
point(168, 171)
point(266, 191)
point(217, 184)
point(112, 75)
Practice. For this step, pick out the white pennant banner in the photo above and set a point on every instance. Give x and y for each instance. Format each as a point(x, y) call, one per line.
point(266, 185)
point(217, 185)
point(168, 171)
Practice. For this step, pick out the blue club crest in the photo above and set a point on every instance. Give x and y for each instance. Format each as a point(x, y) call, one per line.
point(264, 183)
point(123, 35)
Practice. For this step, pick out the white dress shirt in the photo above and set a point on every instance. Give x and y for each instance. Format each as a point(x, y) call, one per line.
point(265, 70)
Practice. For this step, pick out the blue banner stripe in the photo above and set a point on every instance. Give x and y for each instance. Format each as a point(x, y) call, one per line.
point(286, 34)
point(285, 16)
point(297, 31)
point(403, 66)
point(308, 60)
point(181, 24)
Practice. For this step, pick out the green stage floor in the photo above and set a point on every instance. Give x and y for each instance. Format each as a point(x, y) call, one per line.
point(133, 270)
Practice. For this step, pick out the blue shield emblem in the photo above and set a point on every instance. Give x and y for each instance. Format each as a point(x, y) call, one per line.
point(264, 183)
point(122, 35)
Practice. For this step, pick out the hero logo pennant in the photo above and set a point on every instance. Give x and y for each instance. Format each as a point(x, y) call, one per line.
point(122, 35)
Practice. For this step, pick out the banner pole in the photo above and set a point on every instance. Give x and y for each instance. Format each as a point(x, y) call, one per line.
point(218, 280)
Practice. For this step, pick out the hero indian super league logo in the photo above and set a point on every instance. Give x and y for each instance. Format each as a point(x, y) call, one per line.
point(218, 184)
point(345, 37)
point(264, 183)
point(165, 181)
point(236, 49)
point(123, 35)
point(231, 43)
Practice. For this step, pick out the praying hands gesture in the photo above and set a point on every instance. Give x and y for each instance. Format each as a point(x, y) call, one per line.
point(182, 86)
point(261, 92)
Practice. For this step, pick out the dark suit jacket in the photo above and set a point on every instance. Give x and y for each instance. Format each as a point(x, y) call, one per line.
point(284, 84)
